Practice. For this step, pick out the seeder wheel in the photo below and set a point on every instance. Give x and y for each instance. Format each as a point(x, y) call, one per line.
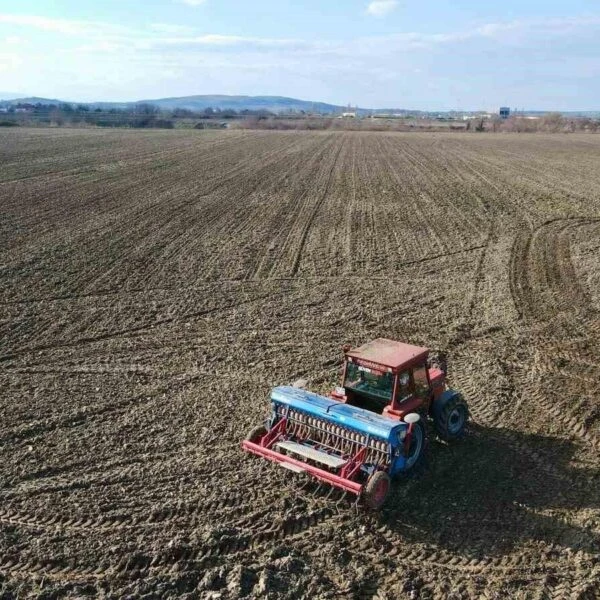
point(376, 490)
point(416, 450)
point(255, 433)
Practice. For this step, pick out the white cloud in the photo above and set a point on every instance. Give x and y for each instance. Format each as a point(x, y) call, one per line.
point(169, 28)
point(380, 8)
point(192, 2)
point(216, 40)
point(74, 28)
point(211, 39)
point(100, 47)
point(45, 23)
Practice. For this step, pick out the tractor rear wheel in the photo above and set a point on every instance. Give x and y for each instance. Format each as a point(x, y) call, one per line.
point(450, 417)
point(376, 490)
point(255, 433)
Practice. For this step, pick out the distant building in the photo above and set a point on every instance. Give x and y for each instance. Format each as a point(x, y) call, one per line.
point(504, 112)
point(349, 115)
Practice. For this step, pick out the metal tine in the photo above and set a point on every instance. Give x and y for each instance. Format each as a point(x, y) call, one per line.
point(316, 490)
point(320, 490)
point(306, 483)
point(330, 492)
point(342, 498)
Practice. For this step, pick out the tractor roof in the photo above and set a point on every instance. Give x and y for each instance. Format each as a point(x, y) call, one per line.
point(388, 353)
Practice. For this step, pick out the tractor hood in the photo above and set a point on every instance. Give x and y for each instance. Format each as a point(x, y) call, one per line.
point(352, 417)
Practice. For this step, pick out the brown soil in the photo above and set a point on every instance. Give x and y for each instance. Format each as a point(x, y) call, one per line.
point(156, 285)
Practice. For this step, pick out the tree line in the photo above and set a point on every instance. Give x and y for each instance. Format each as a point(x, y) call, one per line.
point(139, 115)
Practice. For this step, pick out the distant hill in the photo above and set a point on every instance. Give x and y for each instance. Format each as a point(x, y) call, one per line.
point(30, 100)
point(198, 103)
point(270, 103)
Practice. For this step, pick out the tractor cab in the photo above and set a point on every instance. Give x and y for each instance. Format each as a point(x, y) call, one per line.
point(388, 377)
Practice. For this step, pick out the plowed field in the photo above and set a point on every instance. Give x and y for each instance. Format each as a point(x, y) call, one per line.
point(156, 285)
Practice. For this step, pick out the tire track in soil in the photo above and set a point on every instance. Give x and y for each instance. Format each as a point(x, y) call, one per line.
point(235, 507)
point(543, 280)
point(177, 559)
point(492, 416)
point(205, 283)
point(487, 411)
point(563, 416)
point(232, 505)
point(317, 207)
point(285, 218)
point(480, 273)
point(544, 284)
point(351, 208)
point(68, 420)
point(439, 558)
point(237, 220)
point(571, 586)
point(435, 183)
point(128, 331)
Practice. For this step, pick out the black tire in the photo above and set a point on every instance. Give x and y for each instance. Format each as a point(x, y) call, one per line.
point(418, 445)
point(450, 416)
point(376, 490)
point(255, 433)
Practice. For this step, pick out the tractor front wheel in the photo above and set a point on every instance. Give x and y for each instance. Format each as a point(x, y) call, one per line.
point(376, 490)
point(256, 433)
point(450, 417)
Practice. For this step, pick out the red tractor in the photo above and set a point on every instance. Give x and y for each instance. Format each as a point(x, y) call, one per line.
point(370, 429)
point(395, 379)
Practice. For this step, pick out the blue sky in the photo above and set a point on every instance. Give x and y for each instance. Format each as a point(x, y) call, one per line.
point(431, 55)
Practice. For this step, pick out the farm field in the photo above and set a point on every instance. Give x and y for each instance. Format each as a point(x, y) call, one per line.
point(156, 285)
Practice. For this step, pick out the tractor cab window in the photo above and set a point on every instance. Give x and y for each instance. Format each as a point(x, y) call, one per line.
point(421, 381)
point(404, 387)
point(370, 382)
